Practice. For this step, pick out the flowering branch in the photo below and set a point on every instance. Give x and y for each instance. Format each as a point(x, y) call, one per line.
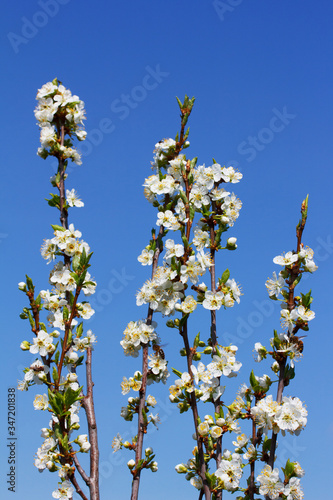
point(60, 115)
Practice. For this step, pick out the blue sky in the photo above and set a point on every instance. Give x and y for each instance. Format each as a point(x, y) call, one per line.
point(262, 77)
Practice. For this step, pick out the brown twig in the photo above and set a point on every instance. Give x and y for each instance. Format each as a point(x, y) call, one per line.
point(88, 405)
point(142, 392)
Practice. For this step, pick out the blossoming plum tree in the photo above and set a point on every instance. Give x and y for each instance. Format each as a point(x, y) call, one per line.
point(196, 207)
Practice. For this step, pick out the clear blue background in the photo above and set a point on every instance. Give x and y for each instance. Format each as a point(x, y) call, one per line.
point(241, 65)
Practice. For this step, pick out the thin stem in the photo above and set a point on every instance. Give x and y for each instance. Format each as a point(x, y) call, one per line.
point(217, 403)
point(142, 427)
point(77, 487)
point(293, 274)
point(88, 405)
point(80, 470)
point(194, 407)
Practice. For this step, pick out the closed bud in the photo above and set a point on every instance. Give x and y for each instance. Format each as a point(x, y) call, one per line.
point(181, 469)
point(231, 242)
point(220, 422)
point(131, 464)
point(25, 345)
point(22, 286)
point(154, 467)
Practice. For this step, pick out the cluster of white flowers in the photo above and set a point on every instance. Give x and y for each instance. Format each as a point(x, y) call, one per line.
point(55, 102)
point(131, 383)
point(136, 334)
point(157, 368)
point(206, 377)
point(230, 470)
point(272, 486)
point(227, 296)
point(65, 242)
point(299, 315)
point(162, 292)
point(304, 259)
point(289, 416)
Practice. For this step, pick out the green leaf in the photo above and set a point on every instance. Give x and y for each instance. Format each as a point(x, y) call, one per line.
point(254, 382)
point(65, 313)
point(56, 227)
point(42, 326)
point(225, 276)
point(145, 419)
point(31, 320)
point(185, 241)
point(55, 374)
point(177, 372)
point(79, 330)
point(71, 397)
point(196, 340)
point(76, 262)
point(29, 283)
point(306, 299)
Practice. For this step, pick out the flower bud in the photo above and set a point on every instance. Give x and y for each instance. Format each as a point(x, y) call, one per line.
point(275, 367)
point(181, 469)
point(127, 444)
point(154, 467)
point(72, 377)
point(131, 464)
point(220, 422)
point(25, 345)
point(203, 429)
point(149, 451)
point(22, 286)
point(231, 243)
point(72, 356)
point(55, 334)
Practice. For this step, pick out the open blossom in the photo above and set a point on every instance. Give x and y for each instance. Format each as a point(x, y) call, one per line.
point(213, 301)
point(146, 257)
point(287, 260)
point(41, 402)
point(293, 490)
point(42, 344)
point(173, 250)
point(201, 239)
point(274, 285)
point(188, 305)
point(270, 483)
point(168, 220)
point(229, 174)
point(230, 472)
point(65, 491)
point(72, 199)
point(291, 416)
